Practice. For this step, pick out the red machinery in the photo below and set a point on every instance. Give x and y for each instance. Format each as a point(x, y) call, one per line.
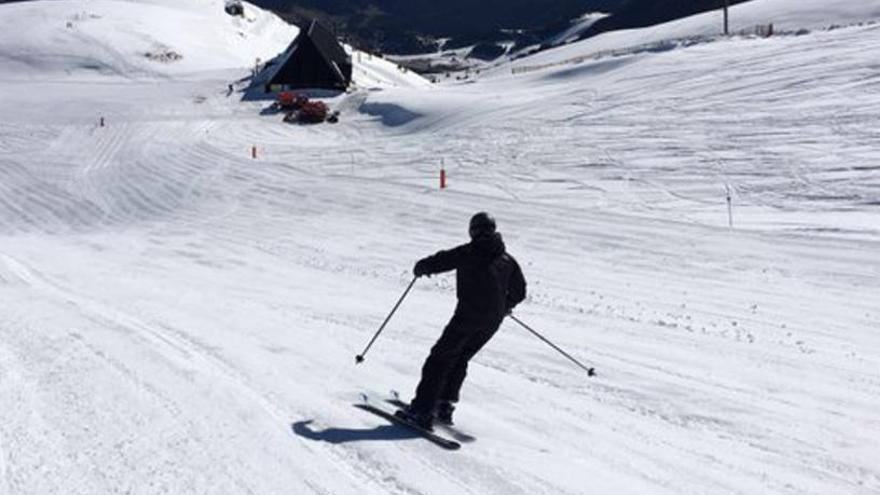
point(291, 100)
point(313, 112)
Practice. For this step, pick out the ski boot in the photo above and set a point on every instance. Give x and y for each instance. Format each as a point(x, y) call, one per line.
point(443, 412)
point(423, 420)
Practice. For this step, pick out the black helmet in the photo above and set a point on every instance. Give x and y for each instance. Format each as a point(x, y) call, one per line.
point(481, 224)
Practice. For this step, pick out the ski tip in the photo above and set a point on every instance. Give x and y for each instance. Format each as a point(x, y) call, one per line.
point(365, 398)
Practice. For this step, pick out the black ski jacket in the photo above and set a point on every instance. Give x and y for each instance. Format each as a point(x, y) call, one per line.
point(489, 282)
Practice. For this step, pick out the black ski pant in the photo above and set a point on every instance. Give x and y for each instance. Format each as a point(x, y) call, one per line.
point(446, 367)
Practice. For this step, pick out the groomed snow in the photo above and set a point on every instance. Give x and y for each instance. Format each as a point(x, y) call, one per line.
point(178, 317)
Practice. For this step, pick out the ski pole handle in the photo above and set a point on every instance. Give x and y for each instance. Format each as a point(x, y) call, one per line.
point(360, 357)
point(590, 370)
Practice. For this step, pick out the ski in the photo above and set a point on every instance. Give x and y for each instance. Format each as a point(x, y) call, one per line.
point(454, 432)
point(428, 435)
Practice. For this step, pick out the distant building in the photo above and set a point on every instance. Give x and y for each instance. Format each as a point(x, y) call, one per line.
point(315, 60)
point(234, 8)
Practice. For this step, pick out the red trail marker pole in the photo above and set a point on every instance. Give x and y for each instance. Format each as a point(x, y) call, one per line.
point(442, 178)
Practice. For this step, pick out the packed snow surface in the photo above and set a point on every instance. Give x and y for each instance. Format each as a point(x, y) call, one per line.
point(179, 317)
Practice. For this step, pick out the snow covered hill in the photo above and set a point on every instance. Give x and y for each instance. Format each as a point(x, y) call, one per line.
point(128, 38)
point(144, 40)
point(787, 16)
point(178, 317)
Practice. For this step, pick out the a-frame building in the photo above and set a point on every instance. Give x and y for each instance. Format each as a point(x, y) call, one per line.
point(315, 60)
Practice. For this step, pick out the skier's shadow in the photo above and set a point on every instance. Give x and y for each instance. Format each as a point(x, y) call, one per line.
point(346, 435)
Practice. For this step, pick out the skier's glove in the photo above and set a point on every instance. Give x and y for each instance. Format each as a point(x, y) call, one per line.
point(421, 269)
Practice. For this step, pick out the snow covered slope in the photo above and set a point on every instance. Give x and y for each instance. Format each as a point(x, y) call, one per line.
point(785, 15)
point(117, 37)
point(178, 317)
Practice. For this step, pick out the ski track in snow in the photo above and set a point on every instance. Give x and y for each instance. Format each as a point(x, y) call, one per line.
point(181, 318)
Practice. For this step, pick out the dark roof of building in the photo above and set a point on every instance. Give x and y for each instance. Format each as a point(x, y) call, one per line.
point(327, 44)
point(316, 40)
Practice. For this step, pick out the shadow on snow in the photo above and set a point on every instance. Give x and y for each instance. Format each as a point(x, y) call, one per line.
point(347, 435)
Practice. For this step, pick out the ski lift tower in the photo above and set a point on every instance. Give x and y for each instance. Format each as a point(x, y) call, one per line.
point(726, 18)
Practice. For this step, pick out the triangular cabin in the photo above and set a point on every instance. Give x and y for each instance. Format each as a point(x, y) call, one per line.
point(315, 60)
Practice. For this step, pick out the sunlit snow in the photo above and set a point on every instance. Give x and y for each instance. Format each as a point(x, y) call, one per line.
point(179, 317)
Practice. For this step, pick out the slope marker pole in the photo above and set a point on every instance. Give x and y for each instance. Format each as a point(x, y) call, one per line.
point(729, 206)
point(726, 17)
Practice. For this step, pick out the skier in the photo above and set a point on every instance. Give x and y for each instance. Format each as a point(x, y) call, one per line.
point(489, 284)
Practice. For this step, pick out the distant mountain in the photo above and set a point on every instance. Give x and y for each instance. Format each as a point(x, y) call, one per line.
point(419, 26)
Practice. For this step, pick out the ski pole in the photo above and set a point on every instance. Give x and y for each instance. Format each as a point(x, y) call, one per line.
point(590, 371)
point(360, 357)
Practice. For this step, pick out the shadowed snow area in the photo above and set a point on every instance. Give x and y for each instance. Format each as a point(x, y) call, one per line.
point(389, 113)
point(179, 317)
